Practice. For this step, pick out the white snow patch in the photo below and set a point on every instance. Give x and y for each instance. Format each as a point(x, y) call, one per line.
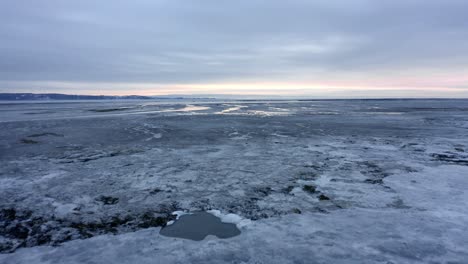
point(178, 214)
point(49, 176)
point(231, 218)
point(191, 108)
point(279, 135)
point(61, 210)
point(231, 109)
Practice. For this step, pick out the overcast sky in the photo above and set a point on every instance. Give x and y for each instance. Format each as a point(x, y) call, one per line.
point(352, 48)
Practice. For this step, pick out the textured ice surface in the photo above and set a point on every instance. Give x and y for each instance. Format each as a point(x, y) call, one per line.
point(306, 182)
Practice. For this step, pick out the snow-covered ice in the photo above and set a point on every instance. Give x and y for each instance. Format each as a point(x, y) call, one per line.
point(335, 181)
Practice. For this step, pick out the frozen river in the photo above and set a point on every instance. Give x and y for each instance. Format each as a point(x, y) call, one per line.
point(344, 181)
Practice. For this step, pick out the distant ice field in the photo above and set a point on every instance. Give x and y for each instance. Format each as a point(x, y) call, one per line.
point(319, 181)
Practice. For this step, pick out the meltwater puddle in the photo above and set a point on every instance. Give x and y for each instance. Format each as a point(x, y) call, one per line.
point(197, 226)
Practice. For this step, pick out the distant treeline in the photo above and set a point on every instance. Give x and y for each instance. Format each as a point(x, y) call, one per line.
point(55, 96)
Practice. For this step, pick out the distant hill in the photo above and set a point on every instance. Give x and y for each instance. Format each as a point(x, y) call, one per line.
point(54, 96)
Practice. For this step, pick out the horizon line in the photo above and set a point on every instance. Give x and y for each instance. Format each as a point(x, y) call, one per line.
point(238, 97)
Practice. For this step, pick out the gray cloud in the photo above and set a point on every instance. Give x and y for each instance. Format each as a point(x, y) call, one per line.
point(173, 42)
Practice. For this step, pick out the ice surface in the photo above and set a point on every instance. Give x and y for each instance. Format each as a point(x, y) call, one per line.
point(94, 182)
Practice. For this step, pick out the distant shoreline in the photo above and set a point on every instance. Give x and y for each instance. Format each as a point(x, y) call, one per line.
point(54, 97)
point(72, 97)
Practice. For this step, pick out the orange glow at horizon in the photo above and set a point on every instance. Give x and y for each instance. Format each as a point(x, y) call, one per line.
point(280, 89)
point(383, 84)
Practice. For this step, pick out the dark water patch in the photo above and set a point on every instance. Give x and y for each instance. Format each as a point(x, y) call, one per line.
point(109, 109)
point(296, 211)
point(80, 155)
point(323, 197)
point(28, 141)
point(46, 134)
point(374, 181)
point(199, 225)
point(307, 176)
point(450, 158)
point(398, 204)
point(309, 188)
point(40, 113)
point(263, 191)
point(288, 189)
point(343, 180)
point(108, 200)
point(372, 169)
point(155, 191)
point(459, 149)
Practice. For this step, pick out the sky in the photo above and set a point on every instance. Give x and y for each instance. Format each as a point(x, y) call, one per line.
point(303, 48)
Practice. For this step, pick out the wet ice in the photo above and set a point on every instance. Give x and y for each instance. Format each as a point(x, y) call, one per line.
point(198, 225)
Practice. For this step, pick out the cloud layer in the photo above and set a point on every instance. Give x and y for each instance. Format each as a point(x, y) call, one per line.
point(122, 45)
